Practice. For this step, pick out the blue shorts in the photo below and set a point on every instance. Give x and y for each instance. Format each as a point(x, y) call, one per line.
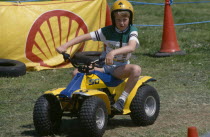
point(110, 68)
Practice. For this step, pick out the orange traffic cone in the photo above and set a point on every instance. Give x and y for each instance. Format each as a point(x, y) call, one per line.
point(108, 20)
point(169, 44)
point(108, 16)
point(192, 132)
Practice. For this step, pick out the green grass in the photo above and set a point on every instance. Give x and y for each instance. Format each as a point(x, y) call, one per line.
point(183, 82)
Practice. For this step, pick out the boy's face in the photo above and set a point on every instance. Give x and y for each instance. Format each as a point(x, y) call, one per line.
point(121, 22)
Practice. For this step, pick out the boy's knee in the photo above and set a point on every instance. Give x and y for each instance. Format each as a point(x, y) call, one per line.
point(137, 70)
point(74, 72)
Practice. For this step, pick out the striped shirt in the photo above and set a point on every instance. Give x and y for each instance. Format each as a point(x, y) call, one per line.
point(114, 39)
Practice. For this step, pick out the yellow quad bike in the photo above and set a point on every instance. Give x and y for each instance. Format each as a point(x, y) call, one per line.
point(90, 95)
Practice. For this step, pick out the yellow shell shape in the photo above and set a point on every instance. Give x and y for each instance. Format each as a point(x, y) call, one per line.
point(51, 30)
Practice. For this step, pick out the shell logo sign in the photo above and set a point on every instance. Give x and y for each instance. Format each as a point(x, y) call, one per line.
point(37, 28)
point(50, 30)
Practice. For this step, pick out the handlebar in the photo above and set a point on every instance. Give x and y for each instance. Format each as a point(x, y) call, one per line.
point(84, 66)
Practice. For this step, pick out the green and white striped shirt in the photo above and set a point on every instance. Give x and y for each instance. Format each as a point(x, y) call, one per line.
point(114, 39)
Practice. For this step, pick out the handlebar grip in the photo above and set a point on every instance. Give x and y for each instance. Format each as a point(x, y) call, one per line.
point(100, 63)
point(66, 56)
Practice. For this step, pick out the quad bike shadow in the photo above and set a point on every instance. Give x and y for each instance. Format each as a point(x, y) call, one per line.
point(89, 97)
point(70, 127)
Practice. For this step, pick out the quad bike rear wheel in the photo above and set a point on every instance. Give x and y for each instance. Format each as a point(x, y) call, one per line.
point(93, 117)
point(145, 106)
point(47, 115)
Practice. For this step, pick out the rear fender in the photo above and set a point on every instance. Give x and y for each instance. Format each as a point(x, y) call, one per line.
point(92, 92)
point(141, 81)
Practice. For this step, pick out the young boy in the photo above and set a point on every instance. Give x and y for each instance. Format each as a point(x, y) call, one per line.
point(121, 40)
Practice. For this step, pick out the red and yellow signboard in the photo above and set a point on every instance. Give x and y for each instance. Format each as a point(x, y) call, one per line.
point(30, 31)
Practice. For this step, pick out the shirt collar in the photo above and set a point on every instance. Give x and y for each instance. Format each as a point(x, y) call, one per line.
point(119, 31)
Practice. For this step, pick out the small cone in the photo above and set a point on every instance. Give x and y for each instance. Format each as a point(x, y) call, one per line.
point(169, 44)
point(192, 132)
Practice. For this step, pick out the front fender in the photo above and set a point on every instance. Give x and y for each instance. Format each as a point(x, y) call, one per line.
point(93, 92)
point(141, 81)
point(55, 91)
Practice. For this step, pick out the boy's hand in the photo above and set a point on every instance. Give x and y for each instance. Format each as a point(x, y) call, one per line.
point(61, 49)
point(109, 58)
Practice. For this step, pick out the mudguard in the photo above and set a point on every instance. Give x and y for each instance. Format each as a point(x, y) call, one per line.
point(141, 81)
point(54, 91)
point(93, 92)
point(89, 92)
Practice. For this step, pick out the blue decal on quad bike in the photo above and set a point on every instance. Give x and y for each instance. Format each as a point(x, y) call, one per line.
point(73, 85)
point(108, 79)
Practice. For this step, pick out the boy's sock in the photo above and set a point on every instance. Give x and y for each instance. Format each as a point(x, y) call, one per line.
point(119, 104)
point(124, 96)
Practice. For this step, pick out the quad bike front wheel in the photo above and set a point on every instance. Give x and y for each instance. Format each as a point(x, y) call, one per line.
point(47, 115)
point(145, 106)
point(93, 117)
